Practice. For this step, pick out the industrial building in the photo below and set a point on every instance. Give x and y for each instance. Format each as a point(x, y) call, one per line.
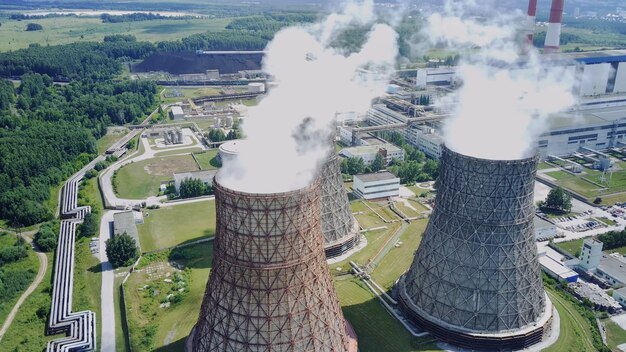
point(552, 264)
point(256, 87)
point(270, 288)
point(620, 296)
point(126, 223)
point(475, 281)
point(608, 268)
point(205, 176)
point(368, 153)
point(377, 185)
point(177, 113)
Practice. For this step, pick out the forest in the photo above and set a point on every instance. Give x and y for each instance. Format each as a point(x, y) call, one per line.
point(48, 131)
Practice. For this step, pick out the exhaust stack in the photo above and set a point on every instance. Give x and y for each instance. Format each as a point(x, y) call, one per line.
point(553, 36)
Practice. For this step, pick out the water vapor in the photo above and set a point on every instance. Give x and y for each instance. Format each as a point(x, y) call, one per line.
point(506, 96)
point(288, 132)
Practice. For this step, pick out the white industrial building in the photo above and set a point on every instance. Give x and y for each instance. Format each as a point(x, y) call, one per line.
point(590, 254)
point(256, 87)
point(436, 76)
point(368, 153)
point(620, 296)
point(552, 263)
point(176, 113)
point(377, 185)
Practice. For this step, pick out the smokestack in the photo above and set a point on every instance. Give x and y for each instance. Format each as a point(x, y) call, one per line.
point(553, 36)
point(270, 288)
point(530, 25)
point(475, 280)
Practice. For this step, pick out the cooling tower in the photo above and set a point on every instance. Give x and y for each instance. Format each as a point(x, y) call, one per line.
point(341, 231)
point(475, 280)
point(270, 288)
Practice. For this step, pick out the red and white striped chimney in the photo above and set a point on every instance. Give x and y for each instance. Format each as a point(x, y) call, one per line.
point(530, 26)
point(553, 36)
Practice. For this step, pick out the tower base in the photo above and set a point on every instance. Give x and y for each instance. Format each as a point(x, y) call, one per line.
point(505, 341)
point(344, 244)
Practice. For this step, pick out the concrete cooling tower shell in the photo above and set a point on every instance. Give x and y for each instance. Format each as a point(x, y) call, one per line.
point(270, 288)
point(341, 231)
point(475, 280)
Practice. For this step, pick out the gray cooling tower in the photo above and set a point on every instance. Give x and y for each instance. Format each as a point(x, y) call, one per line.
point(475, 280)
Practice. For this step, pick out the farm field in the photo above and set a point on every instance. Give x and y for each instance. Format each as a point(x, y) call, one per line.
point(64, 30)
point(175, 225)
point(142, 179)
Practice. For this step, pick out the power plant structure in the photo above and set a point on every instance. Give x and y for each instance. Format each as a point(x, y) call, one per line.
point(270, 288)
point(340, 228)
point(475, 281)
point(553, 33)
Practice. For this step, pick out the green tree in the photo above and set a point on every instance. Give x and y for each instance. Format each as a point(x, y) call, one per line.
point(33, 27)
point(431, 168)
point(558, 199)
point(121, 250)
point(216, 135)
point(193, 187)
point(353, 166)
point(378, 163)
point(89, 227)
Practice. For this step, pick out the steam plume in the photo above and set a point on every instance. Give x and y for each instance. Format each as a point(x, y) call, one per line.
point(505, 99)
point(287, 133)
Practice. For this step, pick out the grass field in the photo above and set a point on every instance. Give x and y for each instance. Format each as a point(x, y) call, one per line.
point(180, 151)
point(615, 335)
point(64, 30)
point(576, 332)
point(87, 281)
point(109, 139)
point(588, 184)
point(376, 329)
point(191, 93)
point(173, 225)
point(28, 264)
point(571, 247)
point(142, 179)
point(399, 259)
point(27, 333)
point(207, 160)
point(164, 329)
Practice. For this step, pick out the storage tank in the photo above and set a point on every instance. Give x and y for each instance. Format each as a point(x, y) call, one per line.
point(256, 87)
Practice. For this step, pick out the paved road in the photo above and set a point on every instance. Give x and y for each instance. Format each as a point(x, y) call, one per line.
point(149, 153)
point(107, 315)
point(43, 266)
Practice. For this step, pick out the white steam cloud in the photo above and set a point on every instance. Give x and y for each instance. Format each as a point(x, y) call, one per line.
point(506, 97)
point(287, 133)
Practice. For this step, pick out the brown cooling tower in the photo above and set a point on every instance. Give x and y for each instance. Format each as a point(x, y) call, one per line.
point(270, 288)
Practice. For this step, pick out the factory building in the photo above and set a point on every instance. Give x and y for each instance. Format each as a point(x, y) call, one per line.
point(590, 254)
point(606, 267)
point(377, 185)
point(552, 264)
point(475, 280)
point(126, 223)
point(177, 113)
point(369, 152)
point(620, 296)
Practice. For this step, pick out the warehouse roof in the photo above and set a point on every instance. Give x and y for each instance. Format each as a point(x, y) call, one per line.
point(378, 176)
point(613, 267)
point(125, 223)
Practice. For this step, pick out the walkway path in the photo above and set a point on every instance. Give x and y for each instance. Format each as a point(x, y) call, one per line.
point(43, 266)
point(107, 310)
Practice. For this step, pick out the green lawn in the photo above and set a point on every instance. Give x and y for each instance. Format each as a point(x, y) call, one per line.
point(27, 333)
point(142, 179)
point(207, 160)
point(575, 334)
point(173, 225)
point(399, 259)
point(164, 329)
point(588, 184)
point(571, 247)
point(109, 139)
point(607, 221)
point(180, 151)
point(87, 281)
point(64, 30)
point(376, 329)
point(615, 335)
point(28, 265)
point(543, 165)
